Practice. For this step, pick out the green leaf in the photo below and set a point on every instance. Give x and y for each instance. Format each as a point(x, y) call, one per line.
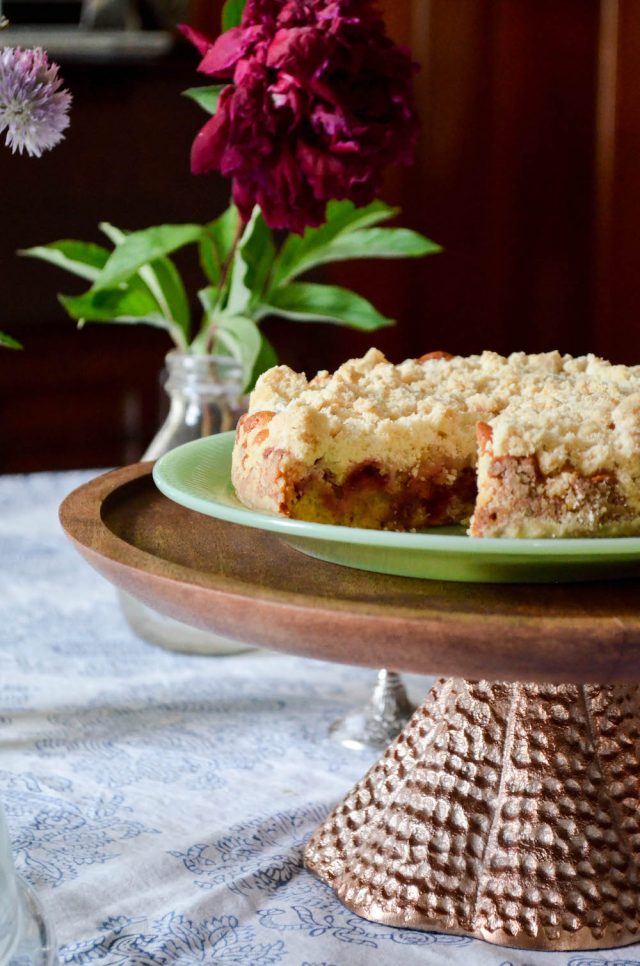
point(9, 342)
point(173, 290)
point(207, 97)
point(115, 305)
point(210, 261)
point(163, 283)
point(377, 243)
point(243, 339)
point(307, 302)
point(267, 358)
point(82, 258)
point(225, 230)
point(232, 13)
point(251, 266)
point(138, 248)
point(302, 252)
point(216, 243)
point(208, 298)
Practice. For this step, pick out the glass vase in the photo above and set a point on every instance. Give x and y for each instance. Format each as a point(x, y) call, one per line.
point(26, 935)
point(205, 397)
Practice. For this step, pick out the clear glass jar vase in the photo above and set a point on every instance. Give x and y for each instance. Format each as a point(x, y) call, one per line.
point(26, 935)
point(205, 397)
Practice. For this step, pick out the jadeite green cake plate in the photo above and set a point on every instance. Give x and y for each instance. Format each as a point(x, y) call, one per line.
point(198, 476)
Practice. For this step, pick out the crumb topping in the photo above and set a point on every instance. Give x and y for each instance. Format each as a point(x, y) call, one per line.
point(580, 411)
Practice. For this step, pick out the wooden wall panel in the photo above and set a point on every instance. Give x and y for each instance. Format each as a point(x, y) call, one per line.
point(539, 242)
point(504, 179)
point(618, 275)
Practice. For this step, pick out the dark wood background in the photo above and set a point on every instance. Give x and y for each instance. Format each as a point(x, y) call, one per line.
point(526, 172)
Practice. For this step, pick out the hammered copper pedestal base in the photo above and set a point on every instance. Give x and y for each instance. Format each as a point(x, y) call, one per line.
point(508, 812)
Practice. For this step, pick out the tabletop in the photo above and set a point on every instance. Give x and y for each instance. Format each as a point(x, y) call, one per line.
point(159, 802)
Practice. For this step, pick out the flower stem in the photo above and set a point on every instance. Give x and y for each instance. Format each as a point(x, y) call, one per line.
point(209, 330)
point(228, 265)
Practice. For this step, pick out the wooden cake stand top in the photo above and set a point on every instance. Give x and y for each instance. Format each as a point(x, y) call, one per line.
point(250, 585)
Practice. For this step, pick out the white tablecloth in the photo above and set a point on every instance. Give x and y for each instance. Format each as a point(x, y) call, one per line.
point(158, 802)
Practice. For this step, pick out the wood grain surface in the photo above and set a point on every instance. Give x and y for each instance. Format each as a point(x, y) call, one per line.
point(250, 585)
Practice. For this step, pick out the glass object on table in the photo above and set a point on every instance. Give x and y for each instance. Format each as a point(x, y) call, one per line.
point(205, 397)
point(26, 938)
point(110, 15)
point(377, 723)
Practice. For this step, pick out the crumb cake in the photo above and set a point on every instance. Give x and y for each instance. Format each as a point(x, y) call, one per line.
point(520, 446)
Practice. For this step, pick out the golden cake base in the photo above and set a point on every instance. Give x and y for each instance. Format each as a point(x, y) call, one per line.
point(508, 812)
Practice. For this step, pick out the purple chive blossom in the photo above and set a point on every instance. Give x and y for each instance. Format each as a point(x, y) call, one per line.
point(33, 109)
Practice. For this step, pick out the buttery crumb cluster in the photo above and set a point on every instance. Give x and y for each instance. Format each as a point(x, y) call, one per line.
point(519, 446)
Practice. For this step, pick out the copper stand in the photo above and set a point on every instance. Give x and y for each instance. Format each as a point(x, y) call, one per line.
point(508, 812)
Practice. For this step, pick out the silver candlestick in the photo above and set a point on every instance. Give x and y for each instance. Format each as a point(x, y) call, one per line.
point(380, 720)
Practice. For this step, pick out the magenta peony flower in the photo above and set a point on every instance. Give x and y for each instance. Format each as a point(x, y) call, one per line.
point(320, 102)
point(33, 109)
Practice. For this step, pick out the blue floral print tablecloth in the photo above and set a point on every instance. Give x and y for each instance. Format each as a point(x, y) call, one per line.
point(159, 803)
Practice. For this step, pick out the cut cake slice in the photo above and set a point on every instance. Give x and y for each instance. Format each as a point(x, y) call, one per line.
point(563, 464)
point(525, 445)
